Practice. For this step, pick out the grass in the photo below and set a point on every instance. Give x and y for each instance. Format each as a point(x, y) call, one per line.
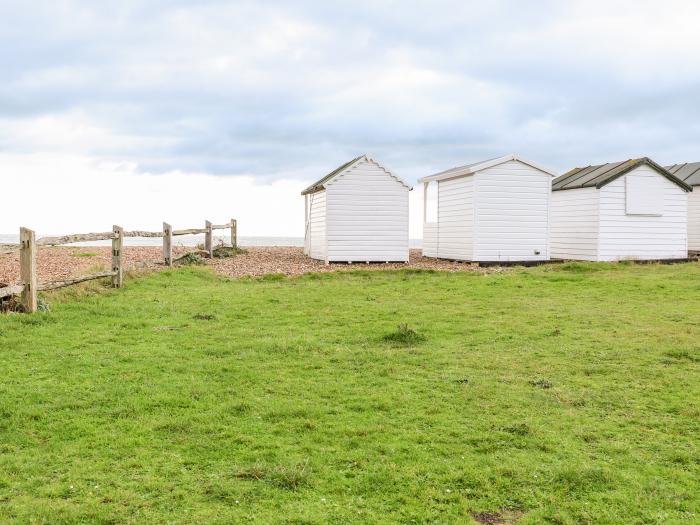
point(559, 394)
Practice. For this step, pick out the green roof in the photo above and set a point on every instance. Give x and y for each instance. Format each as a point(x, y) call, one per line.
point(319, 184)
point(602, 174)
point(688, 172)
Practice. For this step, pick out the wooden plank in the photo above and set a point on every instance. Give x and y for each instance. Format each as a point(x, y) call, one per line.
point(234, 233)
point(190, 231)
point(9, 248)
point(221, 226)
point(77, 237)
point(68, 282)
point(117, 248)
point(208, 240)
point(7, 291)
point(139, 233)
point(27, 268)
point(168, 244)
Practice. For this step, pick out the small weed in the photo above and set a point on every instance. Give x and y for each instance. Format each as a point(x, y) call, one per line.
point(683, 355)
point(577, 267)
point(204, 317)
point(583, 480)
point(404, 335)
point(280, 476)
point(417, 271)
point(273, 277)
point(518, 429)
point(541, 383)
point(504, 517)
point(223, 251)
point(189, 259)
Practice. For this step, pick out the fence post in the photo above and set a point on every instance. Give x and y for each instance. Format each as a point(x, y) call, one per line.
point(234, 234)
point(168, 244)
point(208, 245)
point(117, 246)
point(27, 261)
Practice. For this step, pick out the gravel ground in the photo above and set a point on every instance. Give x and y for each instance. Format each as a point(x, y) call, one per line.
point(64, 262)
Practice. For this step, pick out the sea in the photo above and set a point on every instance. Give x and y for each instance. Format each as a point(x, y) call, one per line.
point(188, 240)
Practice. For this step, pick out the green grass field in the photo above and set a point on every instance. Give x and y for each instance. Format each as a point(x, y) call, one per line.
point(557, 394)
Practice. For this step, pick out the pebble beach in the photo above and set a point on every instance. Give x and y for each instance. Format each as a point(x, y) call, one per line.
point(56, 263)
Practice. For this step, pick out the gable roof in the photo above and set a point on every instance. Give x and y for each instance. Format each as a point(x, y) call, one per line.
point(688, 172)
point(470, 169)
point(323, 181)
point(602, 174)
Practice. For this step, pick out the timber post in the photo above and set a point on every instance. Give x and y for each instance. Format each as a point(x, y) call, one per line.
point(208, 241)
point(117, 248)
point(27, 258)
point(167, 244)
point(234, 234)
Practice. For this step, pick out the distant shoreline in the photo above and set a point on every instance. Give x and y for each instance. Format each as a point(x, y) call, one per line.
point(194, 240)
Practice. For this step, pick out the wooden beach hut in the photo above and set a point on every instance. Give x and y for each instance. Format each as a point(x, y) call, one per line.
point(634, 209)
point(690, 174)
point(357, 213)
point(496, 210)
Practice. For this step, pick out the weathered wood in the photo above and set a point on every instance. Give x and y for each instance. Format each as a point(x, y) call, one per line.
point(208, 240)
point(306, 224)
point(7, 291)
point(168, 244)
point(190, 231)
point(27, 269)
point(234, 233)
point(221, 226)
point(9, 248)
point(68, 282)
point(139, 233)
point(117, 248)
point(77, 237)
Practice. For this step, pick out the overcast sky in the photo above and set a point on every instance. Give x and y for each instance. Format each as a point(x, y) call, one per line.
point(132, 112)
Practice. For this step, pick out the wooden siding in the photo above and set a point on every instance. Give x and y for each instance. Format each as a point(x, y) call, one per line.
point(694, 219)
point(430, 230)
point(511, 213)
point(574, 224)
point(623, 236)
point(367, 215)
point(317, 225)
point(455, 218)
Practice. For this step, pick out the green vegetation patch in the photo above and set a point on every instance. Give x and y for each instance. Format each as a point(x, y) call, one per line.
point(564, 394)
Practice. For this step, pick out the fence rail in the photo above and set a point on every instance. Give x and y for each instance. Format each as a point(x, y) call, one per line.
point(28, 246)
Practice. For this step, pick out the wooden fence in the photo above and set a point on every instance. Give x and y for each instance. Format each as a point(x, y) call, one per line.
point(28, 246)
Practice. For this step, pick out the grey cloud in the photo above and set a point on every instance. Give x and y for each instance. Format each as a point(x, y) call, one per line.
point(292, 86)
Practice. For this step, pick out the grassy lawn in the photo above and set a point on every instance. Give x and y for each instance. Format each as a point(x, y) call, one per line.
point(557, 394)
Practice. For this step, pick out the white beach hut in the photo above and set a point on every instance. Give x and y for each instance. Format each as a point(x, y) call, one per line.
point(690, 174)
point(357, 213)
point(634, 209)
point(491, 211)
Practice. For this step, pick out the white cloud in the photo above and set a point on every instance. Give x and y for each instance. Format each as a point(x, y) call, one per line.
point(63, 194)
point(267, 95)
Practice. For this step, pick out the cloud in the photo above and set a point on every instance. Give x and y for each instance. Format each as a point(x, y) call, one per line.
point(265, 90)
point(79, 194)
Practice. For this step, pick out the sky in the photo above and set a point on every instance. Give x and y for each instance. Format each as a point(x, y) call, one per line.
point(135, 112)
